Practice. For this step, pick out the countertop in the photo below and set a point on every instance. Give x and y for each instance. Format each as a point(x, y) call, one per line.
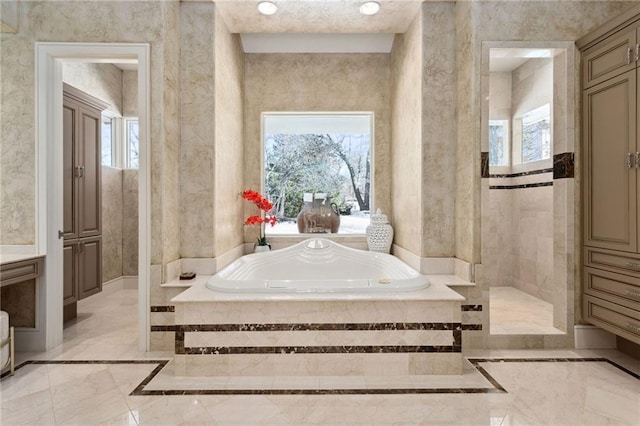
point(17, 257)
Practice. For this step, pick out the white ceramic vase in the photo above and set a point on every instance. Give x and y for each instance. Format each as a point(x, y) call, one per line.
point(379, 233)
point(261, 249)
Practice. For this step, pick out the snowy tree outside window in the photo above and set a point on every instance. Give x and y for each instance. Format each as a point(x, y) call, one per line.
point(318, 153)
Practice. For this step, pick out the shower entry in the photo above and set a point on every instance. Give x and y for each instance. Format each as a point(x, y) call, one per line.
point(527, 194)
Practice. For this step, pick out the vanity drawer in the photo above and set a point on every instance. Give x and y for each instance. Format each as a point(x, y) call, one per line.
point(611, 260)
point(617, 319)
point(617, 288)
point(11, 273)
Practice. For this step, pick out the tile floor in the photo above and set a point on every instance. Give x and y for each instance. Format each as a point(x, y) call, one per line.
point(98, 377)
point(515, 312)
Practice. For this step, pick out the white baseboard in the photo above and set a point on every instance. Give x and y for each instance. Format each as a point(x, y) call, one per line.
point(128, 282)
point(592, 337)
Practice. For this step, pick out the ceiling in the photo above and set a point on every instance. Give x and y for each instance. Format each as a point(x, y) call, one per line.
point(508, 59)
point(318, 16)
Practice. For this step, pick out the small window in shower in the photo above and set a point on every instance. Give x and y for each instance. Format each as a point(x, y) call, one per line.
point(498, 142)
point(536, 134)
point(317, 171)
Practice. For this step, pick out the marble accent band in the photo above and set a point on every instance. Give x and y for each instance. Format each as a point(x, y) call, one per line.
point(564, 165)
point(471, 308)
point(526, 185)
point(472, 327)
point(475, 361)
point(529, 173)
point(161, 364)
point(484, 164)
point(163, 328)
point(227, 350)
point(168, 308)
point(320, 326)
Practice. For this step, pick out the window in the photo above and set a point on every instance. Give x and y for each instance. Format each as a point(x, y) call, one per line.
point(536, 134)
point(132, 143)
point(107, 148)
point(320, 162)
point(498, 142)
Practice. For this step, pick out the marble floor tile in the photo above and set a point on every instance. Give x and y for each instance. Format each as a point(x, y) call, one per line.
point(93, 379)
point(513, 311)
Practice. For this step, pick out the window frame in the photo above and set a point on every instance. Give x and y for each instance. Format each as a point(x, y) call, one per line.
point(116, 139)
point(506, 142)
point(370, 114)
point(548, 116)
point(126, 142)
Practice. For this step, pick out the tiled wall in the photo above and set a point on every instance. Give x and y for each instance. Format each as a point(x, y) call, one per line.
point(519, 241)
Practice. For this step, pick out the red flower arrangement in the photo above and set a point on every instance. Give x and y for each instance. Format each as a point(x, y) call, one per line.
point(265, 206)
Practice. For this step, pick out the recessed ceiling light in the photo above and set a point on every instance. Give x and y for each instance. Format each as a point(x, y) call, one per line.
point(370, 8)
point(267, 8)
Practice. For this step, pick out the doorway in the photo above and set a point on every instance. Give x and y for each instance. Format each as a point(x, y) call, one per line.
point(527, 205)
point(49, 63)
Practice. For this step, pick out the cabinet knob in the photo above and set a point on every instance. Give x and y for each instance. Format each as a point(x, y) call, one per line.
point(635, 328)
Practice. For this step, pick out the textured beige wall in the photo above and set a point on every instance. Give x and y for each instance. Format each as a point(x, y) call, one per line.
point(438, 129)
point(129, 93)
point(197, 150)
point(130, 222)
point(112, 216)
point(229, 147)
point(169, 185)
point(406, 137)
point(318, 82)
point(104, 21)
point(104, 81)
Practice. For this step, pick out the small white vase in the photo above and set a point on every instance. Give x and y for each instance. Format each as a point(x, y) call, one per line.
point(379, 233)
point(261, 249)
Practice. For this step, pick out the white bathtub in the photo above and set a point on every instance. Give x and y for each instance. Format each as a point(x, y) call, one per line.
point(317, 266)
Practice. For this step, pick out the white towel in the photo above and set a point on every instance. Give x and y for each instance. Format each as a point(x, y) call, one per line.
point(4, 336)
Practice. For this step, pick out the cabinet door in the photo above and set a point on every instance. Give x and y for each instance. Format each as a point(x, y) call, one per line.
point(609, 133)
point(89, 206)
point(70, 271)
point(89, 267)
point(609, 59)
point(70, 194)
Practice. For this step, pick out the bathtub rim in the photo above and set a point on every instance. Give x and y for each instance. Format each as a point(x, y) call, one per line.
point(400, 278)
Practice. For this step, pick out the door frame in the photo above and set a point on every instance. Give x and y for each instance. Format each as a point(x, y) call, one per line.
point(49, 164)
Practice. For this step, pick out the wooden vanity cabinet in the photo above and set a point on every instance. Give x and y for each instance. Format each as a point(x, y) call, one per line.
point(611, 176)
point(18, 290)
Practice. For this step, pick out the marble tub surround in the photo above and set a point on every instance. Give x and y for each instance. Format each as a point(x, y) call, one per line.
point(415, 332)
